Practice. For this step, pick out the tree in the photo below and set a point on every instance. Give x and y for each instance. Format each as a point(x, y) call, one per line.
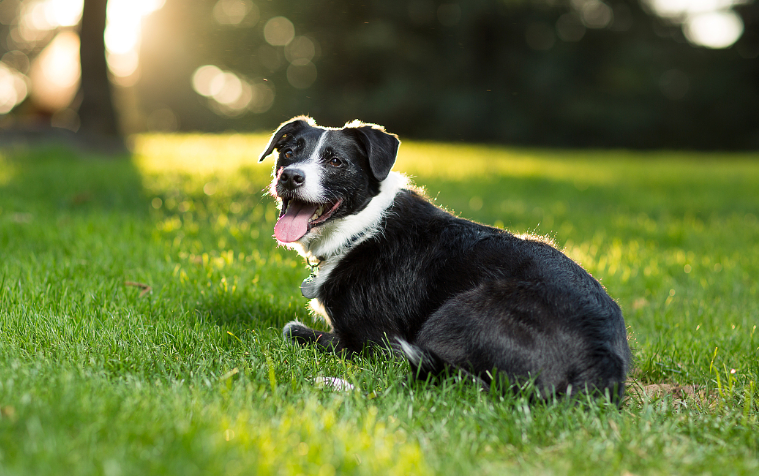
point(96, 114)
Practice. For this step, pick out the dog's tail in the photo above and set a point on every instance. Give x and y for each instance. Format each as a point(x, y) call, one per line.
point(427, 365)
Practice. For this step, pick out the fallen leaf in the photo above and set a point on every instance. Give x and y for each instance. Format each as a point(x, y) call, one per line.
point(145, 288)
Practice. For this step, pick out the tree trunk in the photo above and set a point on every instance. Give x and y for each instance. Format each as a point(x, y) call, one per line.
point(96, 113)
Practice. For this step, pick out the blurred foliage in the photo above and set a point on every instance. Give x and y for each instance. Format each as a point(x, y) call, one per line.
point(492, 71)
point(557, 73)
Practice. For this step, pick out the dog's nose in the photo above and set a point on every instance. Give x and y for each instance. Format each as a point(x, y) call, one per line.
point(292, 178)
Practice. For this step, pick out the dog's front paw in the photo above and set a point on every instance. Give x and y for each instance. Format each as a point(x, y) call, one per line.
point(294, 330)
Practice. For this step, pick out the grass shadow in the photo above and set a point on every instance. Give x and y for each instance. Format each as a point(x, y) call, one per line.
point(58, 179)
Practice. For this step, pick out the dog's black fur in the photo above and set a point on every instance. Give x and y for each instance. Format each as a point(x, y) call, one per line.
point(446, 292)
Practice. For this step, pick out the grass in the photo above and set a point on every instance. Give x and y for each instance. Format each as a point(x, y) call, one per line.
point(101, 375)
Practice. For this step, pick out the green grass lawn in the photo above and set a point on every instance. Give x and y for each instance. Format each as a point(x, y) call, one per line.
point(101, 375)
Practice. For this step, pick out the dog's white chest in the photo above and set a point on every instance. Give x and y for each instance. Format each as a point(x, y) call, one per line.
point(311, 285)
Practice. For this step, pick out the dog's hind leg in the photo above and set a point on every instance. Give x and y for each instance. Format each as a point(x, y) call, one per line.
point(427, 365)
point(527, 333)
point(303, 335)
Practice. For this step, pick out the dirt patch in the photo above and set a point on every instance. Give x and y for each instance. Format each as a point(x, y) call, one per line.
point(680, 393)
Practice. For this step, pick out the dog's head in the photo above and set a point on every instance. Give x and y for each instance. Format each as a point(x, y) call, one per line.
point(324, 174)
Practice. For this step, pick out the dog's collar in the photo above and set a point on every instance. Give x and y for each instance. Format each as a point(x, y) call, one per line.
point(308, 287)
point(342, 250)
point(355, 238)
point(314, 266)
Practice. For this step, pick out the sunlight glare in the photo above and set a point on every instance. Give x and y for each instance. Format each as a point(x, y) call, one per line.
point(64, 12)
point(231, 94)
point(13, 88)
point(229, 87)
point(300, 48)
point(122, 36)
point(596, 14)
point(37, 16)
point(43, 15)
point(58, 59)
point(679, 8)
point(203, 78)
point(279, 31)
point(233, 12)
point(709, 23)
point(122, 33)
point(123, 65)
point(718, 29)
point(55, 72)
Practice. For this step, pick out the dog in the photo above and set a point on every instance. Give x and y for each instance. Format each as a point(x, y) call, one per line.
point(394, 271)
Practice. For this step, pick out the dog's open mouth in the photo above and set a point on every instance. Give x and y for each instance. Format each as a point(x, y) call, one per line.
point(298, 217)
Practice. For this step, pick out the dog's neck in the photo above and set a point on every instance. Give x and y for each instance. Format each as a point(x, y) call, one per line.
point(335, 239)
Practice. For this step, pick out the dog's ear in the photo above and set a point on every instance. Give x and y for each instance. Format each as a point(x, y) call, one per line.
point(285, 130)
point(381, 147)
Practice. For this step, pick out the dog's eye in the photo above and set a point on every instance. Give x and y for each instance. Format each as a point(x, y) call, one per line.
point(288, 154)
point(335, 162)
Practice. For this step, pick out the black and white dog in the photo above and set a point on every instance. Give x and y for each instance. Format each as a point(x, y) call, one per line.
point(396, 271)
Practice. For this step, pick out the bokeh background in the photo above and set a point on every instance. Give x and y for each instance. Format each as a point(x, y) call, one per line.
point(681, 74)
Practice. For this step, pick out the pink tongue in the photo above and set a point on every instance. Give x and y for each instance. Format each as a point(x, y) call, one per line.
point(294, 223)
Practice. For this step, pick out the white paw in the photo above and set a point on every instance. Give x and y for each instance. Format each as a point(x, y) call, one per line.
point(287, 331)
point(334, 383)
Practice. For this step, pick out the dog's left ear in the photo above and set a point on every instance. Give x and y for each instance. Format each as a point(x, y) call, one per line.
point(286, 129)
point(381, 148)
